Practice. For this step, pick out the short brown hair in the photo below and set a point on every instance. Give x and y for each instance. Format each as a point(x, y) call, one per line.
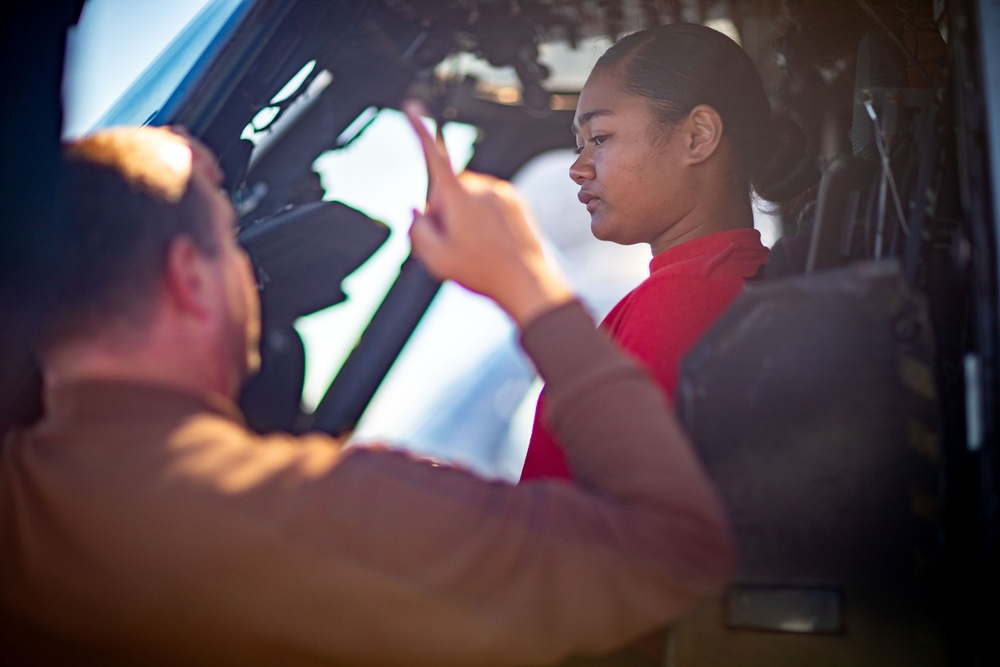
point(117, 221)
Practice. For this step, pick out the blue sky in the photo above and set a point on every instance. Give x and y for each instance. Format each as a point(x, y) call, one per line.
point(110, 47)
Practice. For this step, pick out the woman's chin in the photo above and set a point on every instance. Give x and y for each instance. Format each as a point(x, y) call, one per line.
point(601, 230)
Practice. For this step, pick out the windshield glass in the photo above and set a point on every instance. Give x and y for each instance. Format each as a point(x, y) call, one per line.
point(159, 80)
point(360, 176)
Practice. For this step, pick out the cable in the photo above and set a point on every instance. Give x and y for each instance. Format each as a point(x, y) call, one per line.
point(887, 178)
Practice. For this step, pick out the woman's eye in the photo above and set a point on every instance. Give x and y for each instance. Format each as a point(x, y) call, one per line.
point(597, 140)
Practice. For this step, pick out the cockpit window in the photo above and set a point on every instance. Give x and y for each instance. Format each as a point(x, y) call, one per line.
point(165, 75)
point(381, 173)
point(307, 80)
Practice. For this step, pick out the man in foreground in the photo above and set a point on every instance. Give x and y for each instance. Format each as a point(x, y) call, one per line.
point(141, 522)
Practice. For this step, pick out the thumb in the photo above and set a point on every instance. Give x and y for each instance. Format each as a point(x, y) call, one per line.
point(426, 240)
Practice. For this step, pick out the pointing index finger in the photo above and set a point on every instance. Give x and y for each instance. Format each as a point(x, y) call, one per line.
point(439, 169)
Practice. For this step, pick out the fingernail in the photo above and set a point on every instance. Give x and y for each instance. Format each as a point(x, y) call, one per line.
point(415, 108)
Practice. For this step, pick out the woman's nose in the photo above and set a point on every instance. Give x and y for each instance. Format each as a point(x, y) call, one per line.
point(581, 169)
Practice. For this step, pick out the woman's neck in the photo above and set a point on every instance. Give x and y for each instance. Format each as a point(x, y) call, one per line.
point(711, 214)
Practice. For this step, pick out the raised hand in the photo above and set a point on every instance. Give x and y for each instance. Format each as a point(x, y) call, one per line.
point(477, 231)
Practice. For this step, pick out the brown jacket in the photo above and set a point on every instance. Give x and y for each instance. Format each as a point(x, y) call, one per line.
point(139, 525)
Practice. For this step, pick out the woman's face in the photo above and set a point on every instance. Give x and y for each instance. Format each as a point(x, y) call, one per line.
point(629, 171)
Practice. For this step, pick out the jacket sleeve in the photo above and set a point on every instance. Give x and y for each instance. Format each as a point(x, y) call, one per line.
point(464, 571)
point(174, 535)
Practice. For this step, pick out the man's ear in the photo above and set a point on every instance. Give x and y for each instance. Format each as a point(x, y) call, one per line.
point(703, 132)
point(186, 277)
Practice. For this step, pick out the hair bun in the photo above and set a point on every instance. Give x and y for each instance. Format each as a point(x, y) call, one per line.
point(786, 166)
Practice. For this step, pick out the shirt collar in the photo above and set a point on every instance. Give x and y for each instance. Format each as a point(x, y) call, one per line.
point(100, 399)
point(746, 237)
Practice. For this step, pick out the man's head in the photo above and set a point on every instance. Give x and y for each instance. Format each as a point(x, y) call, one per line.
point(150, 249)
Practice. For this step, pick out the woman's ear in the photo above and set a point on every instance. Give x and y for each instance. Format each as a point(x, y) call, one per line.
point(703, 132)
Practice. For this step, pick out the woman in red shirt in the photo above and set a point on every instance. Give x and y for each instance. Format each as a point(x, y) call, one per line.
point(674, 134)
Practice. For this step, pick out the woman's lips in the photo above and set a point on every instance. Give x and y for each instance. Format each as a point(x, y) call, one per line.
point(588, 200)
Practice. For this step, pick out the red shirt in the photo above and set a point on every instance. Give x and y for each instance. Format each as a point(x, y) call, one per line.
point(688, 287)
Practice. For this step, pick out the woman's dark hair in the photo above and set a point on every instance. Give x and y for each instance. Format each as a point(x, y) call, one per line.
point(681, 65)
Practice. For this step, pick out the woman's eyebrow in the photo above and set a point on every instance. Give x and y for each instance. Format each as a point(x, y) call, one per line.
point(587, 116)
